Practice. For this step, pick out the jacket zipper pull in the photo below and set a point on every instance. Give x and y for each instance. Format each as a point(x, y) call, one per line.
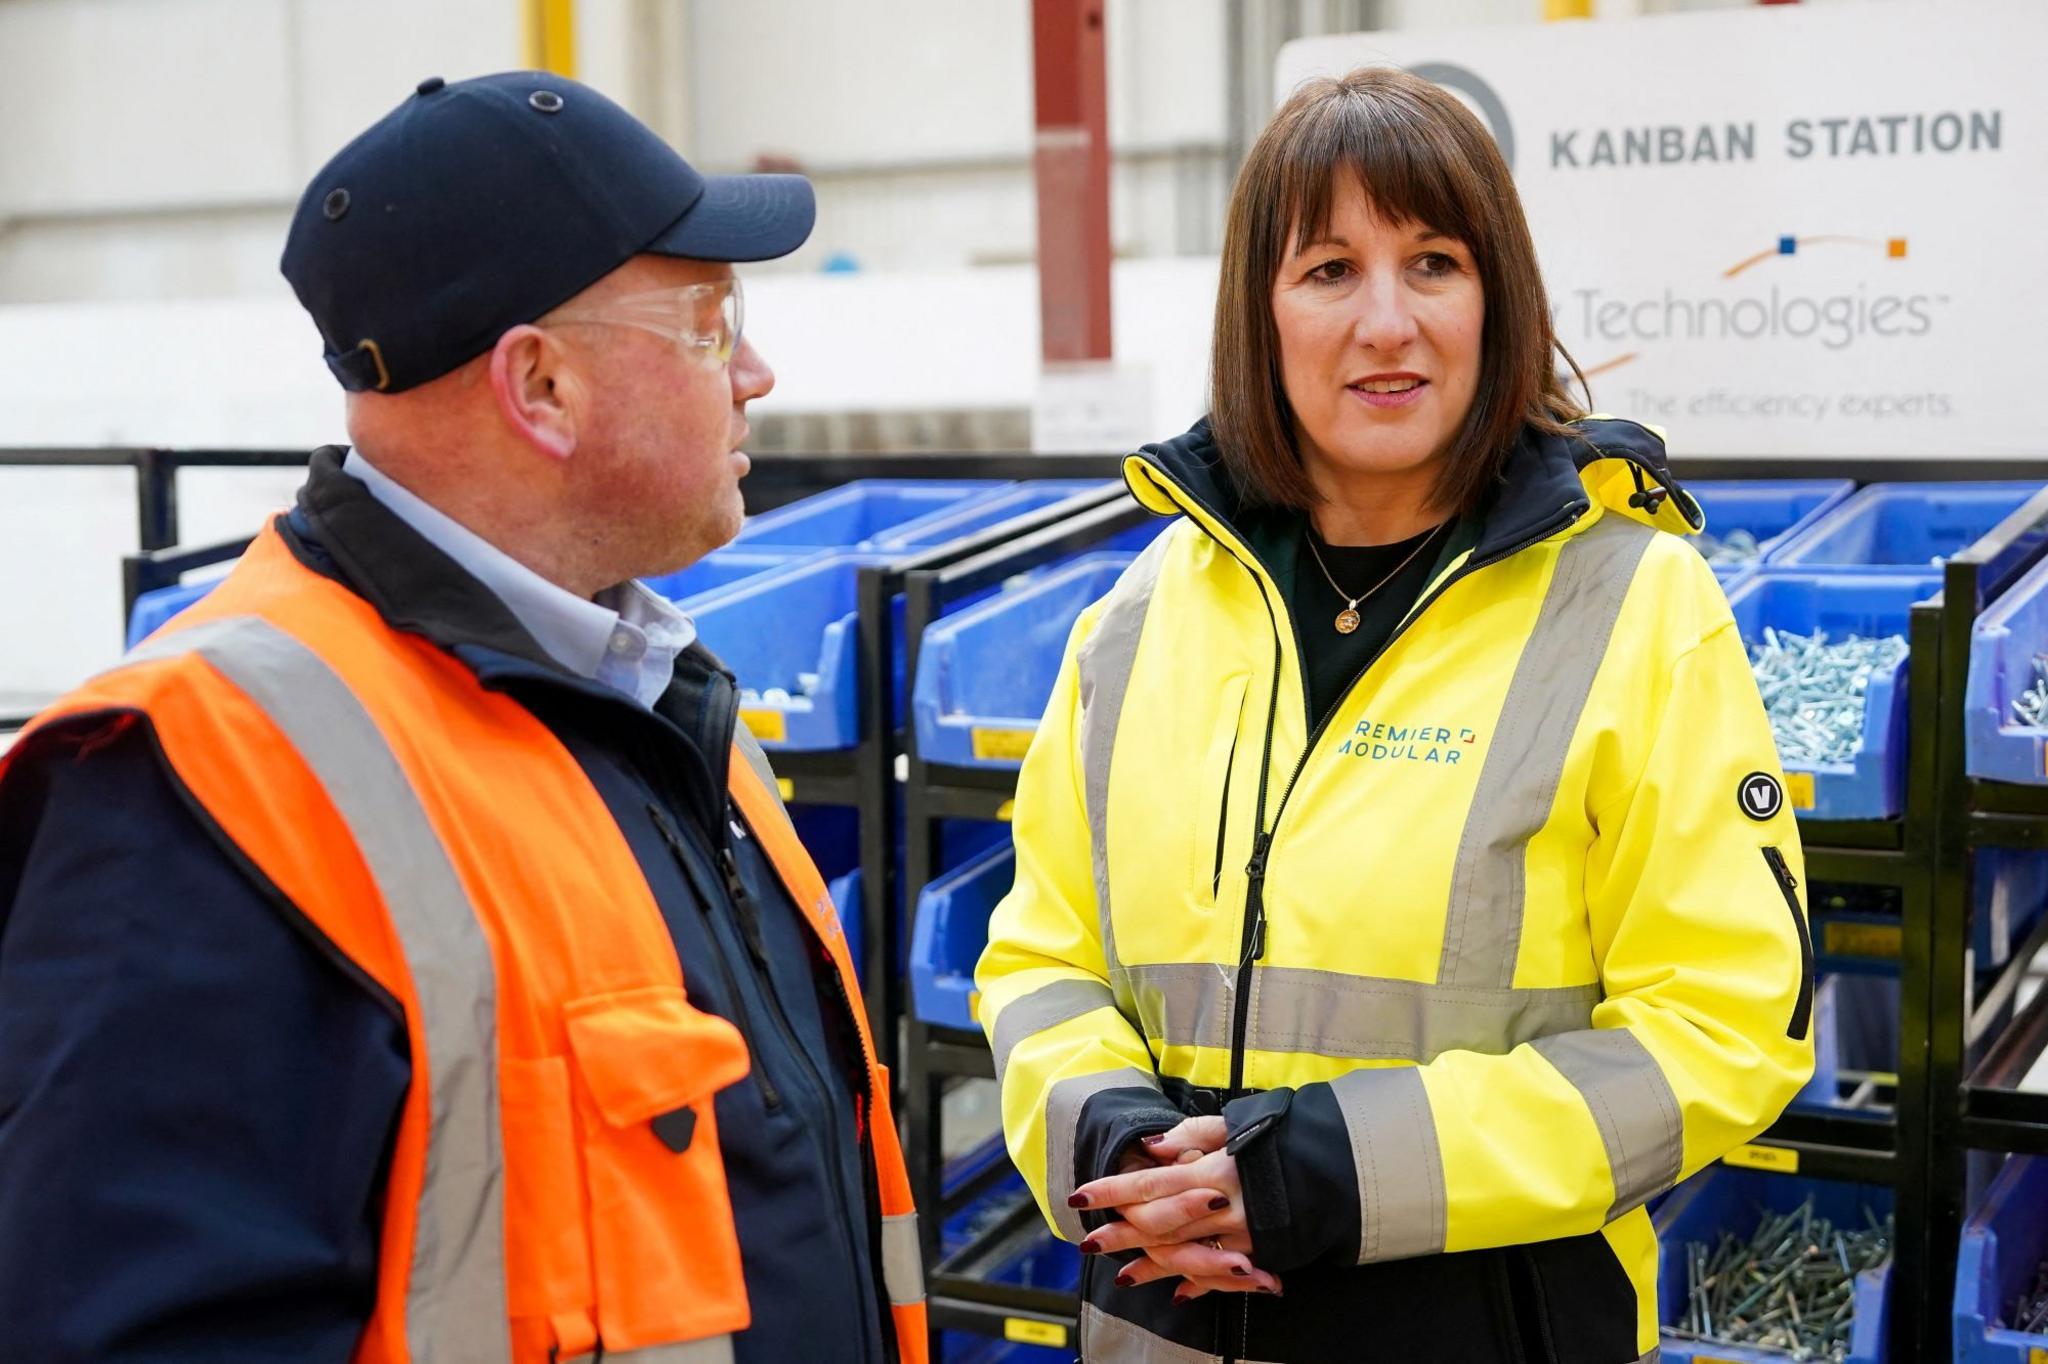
point(1255, 876)
point(743, 907)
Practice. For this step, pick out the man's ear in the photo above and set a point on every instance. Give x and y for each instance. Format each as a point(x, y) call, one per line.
point(535, 385)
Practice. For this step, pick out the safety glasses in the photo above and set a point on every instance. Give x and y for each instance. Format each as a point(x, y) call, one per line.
point(703, 320)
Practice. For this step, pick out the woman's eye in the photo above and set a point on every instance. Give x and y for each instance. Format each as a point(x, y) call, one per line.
point(1437, 263)
point(1330, 271)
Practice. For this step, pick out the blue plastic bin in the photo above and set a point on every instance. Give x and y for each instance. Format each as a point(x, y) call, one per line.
point(1893, 526)
point(858, 514)
point(159, 604)
point(1872, 785)
point(984, 674)
point(772, 626)
point(980, 513)
point(2003, 1245)
point(1772, 510)
point(948, 933)
point(2003, 645)
point(1722, 1198)
point(1044, 1262)
point(721, 569)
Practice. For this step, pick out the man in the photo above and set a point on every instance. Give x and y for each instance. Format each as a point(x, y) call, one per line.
point(403, 957)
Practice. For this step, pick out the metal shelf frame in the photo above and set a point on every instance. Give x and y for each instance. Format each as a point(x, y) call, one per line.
point(1979, 1045)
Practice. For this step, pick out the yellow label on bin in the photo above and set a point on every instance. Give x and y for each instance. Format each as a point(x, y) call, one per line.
point(1776, 1159)
point(786, 787)
point(1714, 1359)
point(1799, 790)
point(1000, 744)
point(1007, 811)
point(769, 726)
point(1862, 940)
point(1025, 1331)
point(2036, 1355)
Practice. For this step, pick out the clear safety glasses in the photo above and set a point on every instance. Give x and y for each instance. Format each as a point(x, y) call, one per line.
point(703, 320)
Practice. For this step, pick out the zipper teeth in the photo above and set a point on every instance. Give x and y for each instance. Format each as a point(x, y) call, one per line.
point(1802, 1007)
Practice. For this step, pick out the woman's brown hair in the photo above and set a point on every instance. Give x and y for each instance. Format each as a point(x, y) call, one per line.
point(1422, 157)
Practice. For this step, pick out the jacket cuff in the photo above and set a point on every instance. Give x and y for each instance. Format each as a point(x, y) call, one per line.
point(1110, 1122)
point(1300, 1183)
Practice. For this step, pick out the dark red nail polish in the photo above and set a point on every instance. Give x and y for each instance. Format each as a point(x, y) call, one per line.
point(1079, 1200)
point(1124, 1280)
point(1182, 1299)
point(1154, 1139)
point(1270, 1292)
point(1240, 1271)
point(1218, 1203)
point(1091, 1248)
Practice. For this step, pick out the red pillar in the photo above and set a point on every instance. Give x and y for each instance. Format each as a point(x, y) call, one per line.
point(1071, 167)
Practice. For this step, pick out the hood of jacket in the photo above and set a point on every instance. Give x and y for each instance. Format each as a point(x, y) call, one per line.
point(1547, 483)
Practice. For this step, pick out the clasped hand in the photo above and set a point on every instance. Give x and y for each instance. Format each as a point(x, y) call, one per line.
point(1182, 1205)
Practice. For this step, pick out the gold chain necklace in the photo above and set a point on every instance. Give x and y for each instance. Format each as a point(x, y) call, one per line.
point(1347, 619)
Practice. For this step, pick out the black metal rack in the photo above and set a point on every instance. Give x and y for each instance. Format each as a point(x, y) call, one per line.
point(962, 1296)
point(1981, 1045)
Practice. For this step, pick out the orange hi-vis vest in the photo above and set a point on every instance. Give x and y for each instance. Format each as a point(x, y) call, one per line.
point(556, 1186)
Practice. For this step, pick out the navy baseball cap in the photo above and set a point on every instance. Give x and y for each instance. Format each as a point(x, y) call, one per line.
point(479, 205)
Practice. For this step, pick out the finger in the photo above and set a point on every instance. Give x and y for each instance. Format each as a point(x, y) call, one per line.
point(1144, 1269)
point(1163, 1218)
point(1227, 1222)
point(1190, 1289)
point(1156, 1223)
point(1142, 1186)
point(1193, 1260)
point(1194, 1134)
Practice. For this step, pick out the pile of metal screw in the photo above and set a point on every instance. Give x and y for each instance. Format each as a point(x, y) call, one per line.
point(1790, 1287)
point(2030, 707)
point(1813, 690)
point(1737, 548)
point(806, 683)
point(2030, 1313)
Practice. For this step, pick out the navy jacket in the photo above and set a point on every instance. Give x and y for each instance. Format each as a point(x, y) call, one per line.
point(198, 1098)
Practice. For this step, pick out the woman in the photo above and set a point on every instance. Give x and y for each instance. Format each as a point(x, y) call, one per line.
point(1405, 889)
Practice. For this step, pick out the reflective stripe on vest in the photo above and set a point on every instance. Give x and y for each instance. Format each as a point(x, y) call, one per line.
point(456, 1307)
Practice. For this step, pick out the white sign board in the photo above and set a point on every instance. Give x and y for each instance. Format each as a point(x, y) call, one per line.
point(1796, 230)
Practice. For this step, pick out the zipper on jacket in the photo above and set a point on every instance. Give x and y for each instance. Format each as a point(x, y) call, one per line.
point(1254, 932)
point(1802, 1010)
point(1223, 808)
point(672, 836)
point(750, 924)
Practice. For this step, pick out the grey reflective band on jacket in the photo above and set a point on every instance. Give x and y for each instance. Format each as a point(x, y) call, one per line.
point(456, 1308)
point(1103, 664)
point(1361, 1018)
point(902, 1260)
point(1401, 1206)
point(1525, 761)
point(1062, 1130)
point(1047, 1007)
point(1109, 1339)
point(1632, 1104)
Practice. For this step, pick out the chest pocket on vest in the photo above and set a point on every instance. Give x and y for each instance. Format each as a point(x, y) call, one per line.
point(615, 1235)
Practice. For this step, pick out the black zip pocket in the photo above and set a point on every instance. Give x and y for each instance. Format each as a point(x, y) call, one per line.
point(1802, 1011)
point(706, 903)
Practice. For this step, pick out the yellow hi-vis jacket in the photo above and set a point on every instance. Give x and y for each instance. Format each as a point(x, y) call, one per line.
point(1510, 944)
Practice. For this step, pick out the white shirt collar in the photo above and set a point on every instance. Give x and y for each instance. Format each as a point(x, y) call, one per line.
point(628, 638)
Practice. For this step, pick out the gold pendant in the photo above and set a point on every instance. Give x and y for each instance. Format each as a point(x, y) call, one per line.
point(1347, 621)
